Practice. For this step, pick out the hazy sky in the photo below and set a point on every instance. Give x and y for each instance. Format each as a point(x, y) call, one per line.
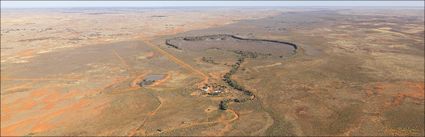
point(59, 4)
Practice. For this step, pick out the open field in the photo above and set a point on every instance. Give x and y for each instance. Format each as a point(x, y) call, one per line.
point(212, 72)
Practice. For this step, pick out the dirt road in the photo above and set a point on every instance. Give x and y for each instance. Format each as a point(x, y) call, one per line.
point(175, 59)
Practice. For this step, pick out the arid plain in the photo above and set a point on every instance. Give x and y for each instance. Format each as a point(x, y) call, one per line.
point(212, 71)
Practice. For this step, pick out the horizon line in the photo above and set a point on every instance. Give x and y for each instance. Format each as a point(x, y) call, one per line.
point(93, 4)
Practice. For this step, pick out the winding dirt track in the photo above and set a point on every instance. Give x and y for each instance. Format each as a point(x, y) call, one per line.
point(141, 127)
point(225, 122)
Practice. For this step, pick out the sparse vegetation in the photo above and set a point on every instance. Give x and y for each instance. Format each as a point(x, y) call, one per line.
point(355, 73)
point(227, 77)
point(168, 42)
point(209, 60)
point(223, 105)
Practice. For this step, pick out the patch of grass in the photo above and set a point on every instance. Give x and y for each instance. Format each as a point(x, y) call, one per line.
point(343, 119)
point(280, 127)
point(408, 118)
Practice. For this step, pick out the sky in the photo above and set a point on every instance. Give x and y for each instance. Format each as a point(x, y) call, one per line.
point(60, 4)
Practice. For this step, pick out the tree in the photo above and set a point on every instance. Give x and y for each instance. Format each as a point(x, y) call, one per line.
point(223, 105)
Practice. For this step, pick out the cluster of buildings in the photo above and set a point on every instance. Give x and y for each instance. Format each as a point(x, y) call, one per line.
point(213, 89)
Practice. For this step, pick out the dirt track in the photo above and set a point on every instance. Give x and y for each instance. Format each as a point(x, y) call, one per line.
point(176, 60)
